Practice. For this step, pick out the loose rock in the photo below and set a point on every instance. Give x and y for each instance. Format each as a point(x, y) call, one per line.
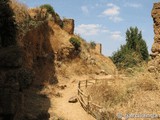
point(73, 100)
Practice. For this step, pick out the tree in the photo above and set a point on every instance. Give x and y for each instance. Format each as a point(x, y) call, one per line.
point(143, 50)
point(133, 52)
point(8, 25)
point(132, 37)
point(136, 42)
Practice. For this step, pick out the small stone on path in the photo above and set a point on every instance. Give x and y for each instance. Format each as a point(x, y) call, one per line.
point(73, 100)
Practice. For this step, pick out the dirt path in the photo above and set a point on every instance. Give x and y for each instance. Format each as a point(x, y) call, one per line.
point(66, 110)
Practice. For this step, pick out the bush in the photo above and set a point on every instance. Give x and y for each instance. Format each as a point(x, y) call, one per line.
point(49, 8)
point(92, 44)
point(75, 42)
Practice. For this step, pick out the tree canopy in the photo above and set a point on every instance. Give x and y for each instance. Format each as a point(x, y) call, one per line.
point(133, 52)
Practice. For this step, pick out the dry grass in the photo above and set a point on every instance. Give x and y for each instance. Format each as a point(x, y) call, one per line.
point(139, 93)
point(147, 83)
point(110, 93)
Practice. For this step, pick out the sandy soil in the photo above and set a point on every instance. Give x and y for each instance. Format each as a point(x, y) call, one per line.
point(69, 111)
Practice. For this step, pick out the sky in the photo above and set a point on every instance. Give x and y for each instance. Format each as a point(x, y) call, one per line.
point(105, 21)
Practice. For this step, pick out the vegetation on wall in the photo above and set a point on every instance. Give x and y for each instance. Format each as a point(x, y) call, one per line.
point(133, 52)
point(49, 8)
point(75, 42)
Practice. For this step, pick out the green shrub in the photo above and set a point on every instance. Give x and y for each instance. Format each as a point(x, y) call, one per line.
point(49, 8)
point(92, 44)
point(75, 42)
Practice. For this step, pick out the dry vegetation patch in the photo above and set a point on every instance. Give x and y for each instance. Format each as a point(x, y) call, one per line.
point(110, 92)
point(139, 93)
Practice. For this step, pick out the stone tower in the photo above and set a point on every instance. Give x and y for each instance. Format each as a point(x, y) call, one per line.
point(98, 48)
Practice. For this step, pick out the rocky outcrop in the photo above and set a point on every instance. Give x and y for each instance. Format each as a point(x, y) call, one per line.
point(68, 25)
point(155, 62)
